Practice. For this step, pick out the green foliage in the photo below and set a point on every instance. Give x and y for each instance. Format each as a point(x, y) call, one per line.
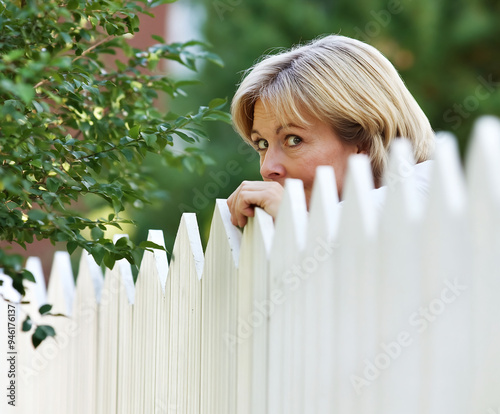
point(72, 124)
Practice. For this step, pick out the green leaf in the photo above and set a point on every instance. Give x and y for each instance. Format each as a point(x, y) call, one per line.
point(41, 333)
point(217, 103)
point(37, 215)
point(38, 107)
point(13, 55)
point(218, 116)
point(45, 309)
point(158, 38)
point(27, 324)
point(53, 184)
point(122, 242)
point(184, 136)
point(72, 4)
point(96, 233)
point(25, 92)
point(71, 246)
point(149, 138)
point(109, 260)
point(27, 275)
point(150, 245)
point(134, 132)
point(155, 3)
point(97, 251)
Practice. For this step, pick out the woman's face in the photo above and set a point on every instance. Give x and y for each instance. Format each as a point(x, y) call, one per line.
point(294, 150)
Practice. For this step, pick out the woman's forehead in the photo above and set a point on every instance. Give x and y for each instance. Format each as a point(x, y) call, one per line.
point(281, 113)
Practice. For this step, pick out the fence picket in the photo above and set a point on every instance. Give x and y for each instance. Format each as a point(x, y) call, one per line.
point(36, 296)
point(318, 295)
point(254, 309)
point(355, 311)
point(185, 324)
point(117, 287)
point(60, 295)
point(288, 244)
point(383, 303)
point(398, 287)
point(483, 179)
point(84, 346)
point(219, 315)
point(444, 322)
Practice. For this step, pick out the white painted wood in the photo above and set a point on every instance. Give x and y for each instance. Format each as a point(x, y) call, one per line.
point(317, 323)
point(398, 287)
point(254, 307)
point(57, 351)
point(444, 322)
point(288, 243)
point(483, 179)
point(84, 340)
point(356, 307)
point(291, 317)
point(9, 297)
point(183, 392)
point(219, 315)
point(108, 340)
point(159, 266)
point(36, 296)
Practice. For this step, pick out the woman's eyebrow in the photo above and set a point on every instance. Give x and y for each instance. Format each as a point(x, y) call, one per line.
point(254, 131)
point(288, 126)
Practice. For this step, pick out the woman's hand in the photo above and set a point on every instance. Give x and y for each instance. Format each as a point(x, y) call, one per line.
point(250, 194)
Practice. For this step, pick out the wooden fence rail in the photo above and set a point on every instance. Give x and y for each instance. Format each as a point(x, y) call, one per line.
point(348, 308)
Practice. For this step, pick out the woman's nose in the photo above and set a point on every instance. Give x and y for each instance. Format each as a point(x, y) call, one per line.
point(272, 165)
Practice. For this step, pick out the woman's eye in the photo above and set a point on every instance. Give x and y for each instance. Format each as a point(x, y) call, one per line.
point(293, 140)
point(262, 144)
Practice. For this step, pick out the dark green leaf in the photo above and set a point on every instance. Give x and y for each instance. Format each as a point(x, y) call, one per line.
point(96, 233)
point(45, 309)
point(27, 324)
point(71, 246)
point(41, 333)
point(27, 275)
point(150, 245)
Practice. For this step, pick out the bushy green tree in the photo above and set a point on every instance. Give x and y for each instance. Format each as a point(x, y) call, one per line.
point(72, 125)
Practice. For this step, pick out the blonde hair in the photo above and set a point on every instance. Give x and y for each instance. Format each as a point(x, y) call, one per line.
point(341, 81)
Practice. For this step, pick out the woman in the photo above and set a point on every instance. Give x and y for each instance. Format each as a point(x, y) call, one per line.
point(316, 105)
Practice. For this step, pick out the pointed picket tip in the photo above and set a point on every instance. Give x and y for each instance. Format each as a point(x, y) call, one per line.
point(232, 232)
point(483, 160)
point(357, 203)
point(38, 289)
point(447, 187)
point(190, 223)
point(160, 256)
point(264, 223)
point(323, 207)
point(292, 212)
point(126, 275)
point(90, 270)
point(401, 197)
point(61, 291)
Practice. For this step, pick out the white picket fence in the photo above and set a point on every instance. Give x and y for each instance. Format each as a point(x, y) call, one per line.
point(344, 309)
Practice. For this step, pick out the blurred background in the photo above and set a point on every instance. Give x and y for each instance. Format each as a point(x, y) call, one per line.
point(447, 52)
